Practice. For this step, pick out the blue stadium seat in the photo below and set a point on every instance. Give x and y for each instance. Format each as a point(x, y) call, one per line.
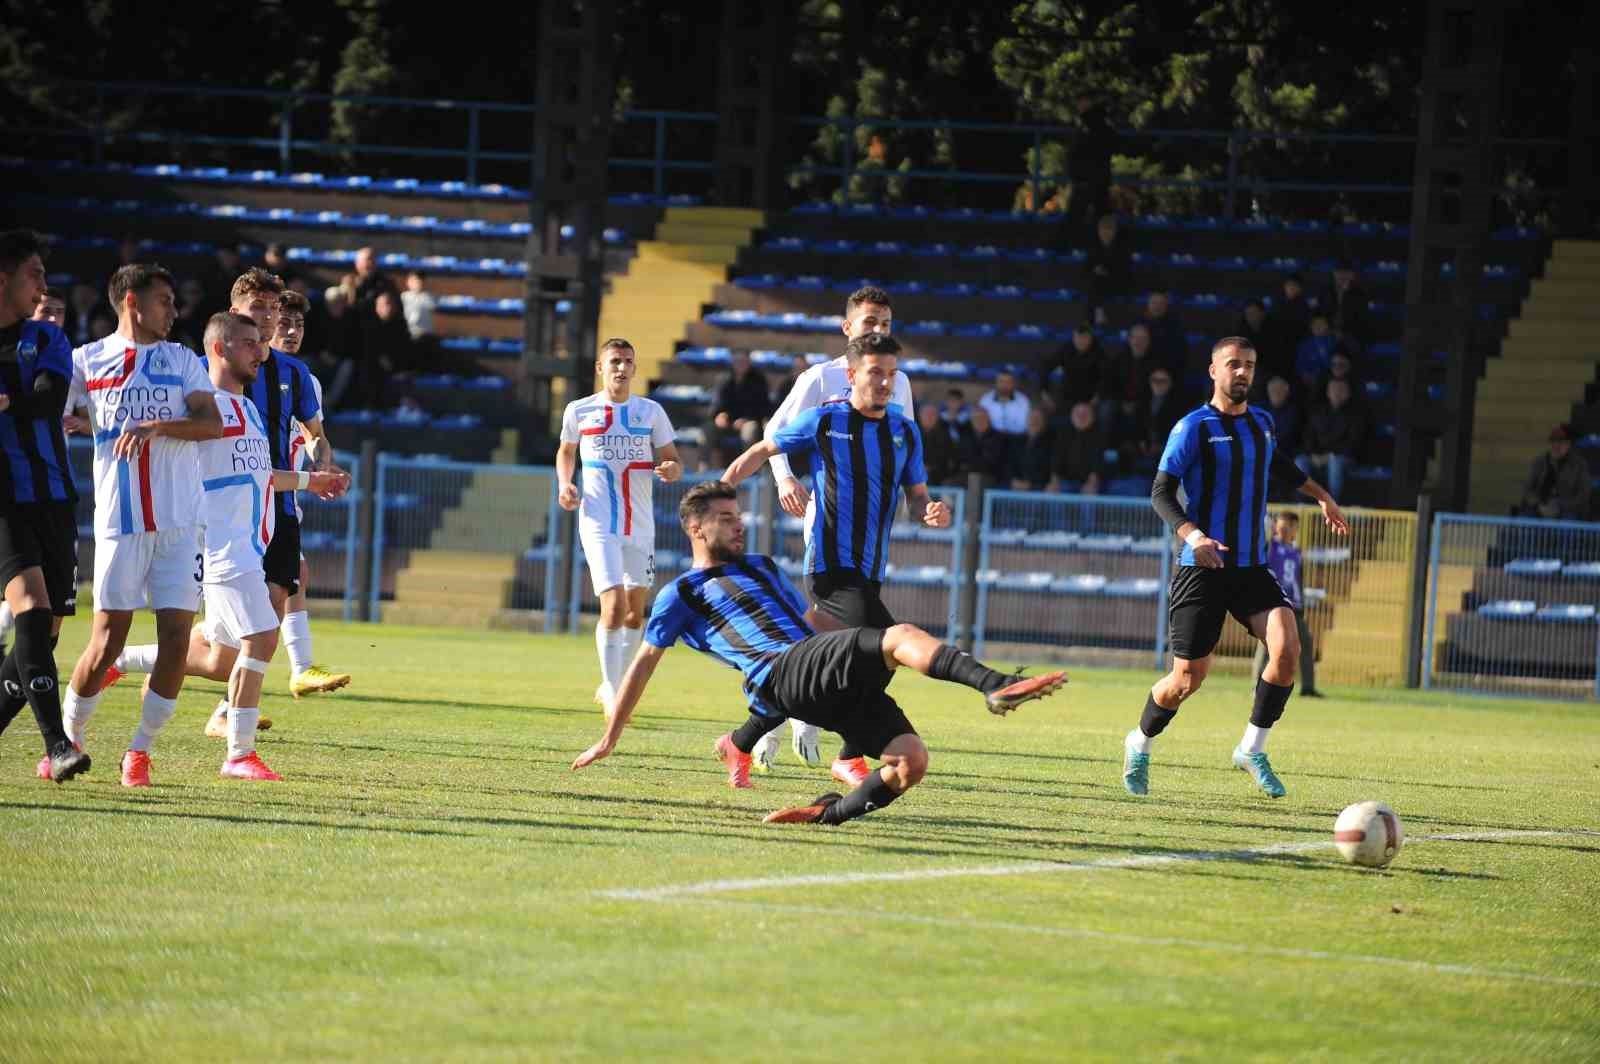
point(1139, 587)
point(1534, 566)
point(1079, 584)
point(1568, 612)
point(1508, 609)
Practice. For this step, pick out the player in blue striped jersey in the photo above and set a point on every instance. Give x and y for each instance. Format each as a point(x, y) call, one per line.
point(863, 451)
point(741, 610)
point(38, 531)
point(1222, 455)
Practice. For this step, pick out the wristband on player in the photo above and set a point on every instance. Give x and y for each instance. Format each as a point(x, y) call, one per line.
point(302, 480)
point(1194, 537)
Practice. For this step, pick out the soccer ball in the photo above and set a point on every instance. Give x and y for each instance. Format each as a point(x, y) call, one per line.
point(1368, 833)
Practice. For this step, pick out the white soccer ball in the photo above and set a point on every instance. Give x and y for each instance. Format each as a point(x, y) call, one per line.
point(1368, 833)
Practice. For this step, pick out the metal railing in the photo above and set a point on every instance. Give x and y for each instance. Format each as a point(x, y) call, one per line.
point(1511, 607)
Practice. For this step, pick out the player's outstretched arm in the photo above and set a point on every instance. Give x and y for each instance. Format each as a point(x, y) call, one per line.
point(204, 422)
point(628, 695)
point(326, 485)
point(1332, 516)
point(924, 510)
point(318, 447)
point(751, 461)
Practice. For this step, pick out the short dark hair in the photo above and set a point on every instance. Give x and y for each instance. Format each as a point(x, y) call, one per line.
point(137, 277)
point(869, 294)
point(1289, 516)
point(294, 302)
point(17, 246)
point(220, 324)
point(870, 344)
point(696, 502)
point(617, 342)
point(1233, 341)
point(255, 280)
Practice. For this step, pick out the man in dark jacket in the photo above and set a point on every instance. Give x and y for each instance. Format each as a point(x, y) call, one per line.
point(1558, 484)
point(1108, 269)
point(944, 451)
point(1089, 169)
point(1074, 372)
point(740, 407)
point(992, 448)
point(1348, 309)
point(1081, 453)
point(1333, 437)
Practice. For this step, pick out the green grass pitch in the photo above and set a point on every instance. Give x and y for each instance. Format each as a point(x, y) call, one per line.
point(431, 881)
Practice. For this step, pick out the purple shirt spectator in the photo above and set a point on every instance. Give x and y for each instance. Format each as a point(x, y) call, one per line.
point(1284, 561)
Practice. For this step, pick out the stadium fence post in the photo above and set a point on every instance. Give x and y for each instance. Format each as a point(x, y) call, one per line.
point(352, 533)
point(375, 533)
point(1433, 603)
point(1161, 607)
point(1422, 559)
point(766, 515)
point(554, 557)
point(367, 504)
point(975, 517)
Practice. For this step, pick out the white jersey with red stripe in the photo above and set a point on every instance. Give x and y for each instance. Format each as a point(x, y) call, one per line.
point(298, 459)
point(616, 450)
point(236, 478)
point(126, 383)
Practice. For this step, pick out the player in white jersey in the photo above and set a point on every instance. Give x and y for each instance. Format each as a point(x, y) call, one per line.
point(866, 311)
point(622, 441)
point(148, 403)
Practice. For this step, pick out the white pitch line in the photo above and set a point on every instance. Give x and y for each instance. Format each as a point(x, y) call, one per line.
point(1029, 868)
point(1245, 948)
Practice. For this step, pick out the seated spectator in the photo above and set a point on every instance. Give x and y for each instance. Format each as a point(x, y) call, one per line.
point(1080, 465)
point(102, 323)
point(79, 324)
point(1252, 325)
point(1314, 356)
point(1153, 422)
point(370, 281)
point(1107, 270)
point(1008, 411)
point(1289, 318)
point(1074, 373)
point(954, 411)
point(797, 365)
point(277, 261)
point(332, 346)
point(219, 276)
point(1347, 307)
point(1033, 462)
point(1341, 367)
point(739, 409)
point(419, 305)
point(1286, 416)
point(51, 307)
point(190, 325)
point(1558, 484)
point(1167, 342)
point(1333, 437)
point(944, 451)
point(387, 353)
point(1126, 380)
point(991, 449)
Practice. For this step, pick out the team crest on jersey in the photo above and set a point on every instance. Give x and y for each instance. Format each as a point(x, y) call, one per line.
point(899, 441)
point(283, 387)
point(158, 362)
point(26, 349)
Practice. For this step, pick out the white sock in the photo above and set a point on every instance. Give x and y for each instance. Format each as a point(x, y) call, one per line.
point(8, 621)
point(609, 642)
point(242, 731)
point(153, 716)
point(296, 629)
point(138, 659)
point(1139, 742)
point(75, 713)
point(1255, 739)
point(631, 638)
point(222, 709)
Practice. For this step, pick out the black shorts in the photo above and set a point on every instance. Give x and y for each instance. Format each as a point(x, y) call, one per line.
point(282, 560)
point(850, 598)
point(45, 535)
point(837, 681)
point(1202, 598)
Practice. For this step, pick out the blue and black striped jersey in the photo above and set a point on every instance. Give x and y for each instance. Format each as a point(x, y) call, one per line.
point(35, 372)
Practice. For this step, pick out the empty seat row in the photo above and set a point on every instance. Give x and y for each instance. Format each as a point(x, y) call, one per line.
point(405, 419)
point(286, 216)
point(1553, 567)
point(1528, 610)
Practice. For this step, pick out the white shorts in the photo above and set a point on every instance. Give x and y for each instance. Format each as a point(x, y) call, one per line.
point(161, 570)
point(237, 607)
point(615, 560)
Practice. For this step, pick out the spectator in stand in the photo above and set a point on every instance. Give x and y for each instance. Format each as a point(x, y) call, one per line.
point(218, 278)
point(1127, 379)
point(1314, 356)
point(955, 410)
point(277, 261)
point(1341, 367)
point(1081, 445)
point(190, 326)
point(419, 305)
point(991, 449)
point(942, 446)
point(1286, 416)
point(1283, 558)
point(1033, 463)
point(1089, 170)
point(51, 307)
point(1074, 373)
point(1008, 412)
point(79, 325)
point(798, 364)
point(1108, 269)
point(1333, 438)
point(370, 281)
point(1289, 319)
point(1558, 485)
point(335, 346)
point(1167, 342)
point(957, 434)
point(1270, 361)
point(102, 322)
point(387, 353)
point(1153, 424)
point(1347, 307)
point(739, 410)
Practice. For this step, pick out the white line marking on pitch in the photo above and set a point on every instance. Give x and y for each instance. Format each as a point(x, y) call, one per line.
point(1246, 948)
point(1032, 868)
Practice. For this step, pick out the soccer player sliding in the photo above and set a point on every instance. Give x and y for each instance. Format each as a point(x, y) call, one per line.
point(1222, 454)
point(743, 611)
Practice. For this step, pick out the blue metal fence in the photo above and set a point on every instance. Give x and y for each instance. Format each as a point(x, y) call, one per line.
point(329, 537)
point(1512, 607)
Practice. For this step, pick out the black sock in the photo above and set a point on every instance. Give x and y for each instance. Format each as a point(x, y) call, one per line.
point(960, 667)
point(849, 751)
point(1155, 718)
point(872, 794)
point(11, 697)
point(36, 666)
point(746, 735)
point(1270, 700)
